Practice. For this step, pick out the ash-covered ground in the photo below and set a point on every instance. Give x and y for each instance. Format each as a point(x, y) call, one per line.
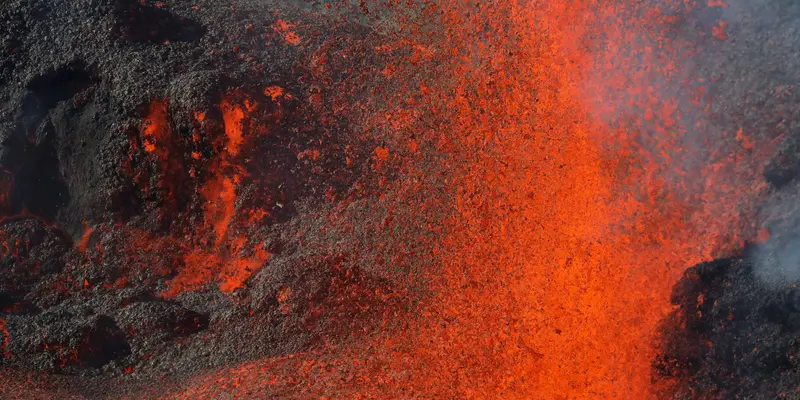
point(154, 157)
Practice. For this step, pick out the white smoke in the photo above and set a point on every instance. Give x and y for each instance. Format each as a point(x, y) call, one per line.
point(777, 260)
point(773, 26)
point(744, 70)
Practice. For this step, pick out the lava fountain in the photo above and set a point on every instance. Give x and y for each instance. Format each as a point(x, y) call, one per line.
point(539, 175)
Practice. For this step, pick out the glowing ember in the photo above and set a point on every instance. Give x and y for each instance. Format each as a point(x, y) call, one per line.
point(285, 29)
point(221, 197)
point(233, 116)
point(221, 262)
point(155, 129)
point(274, 92)
point(4, 333)
point(87, 234)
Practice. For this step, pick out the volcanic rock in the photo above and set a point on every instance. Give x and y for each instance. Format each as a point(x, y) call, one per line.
point(65, 341)
point(155, 158)
point(733, 336)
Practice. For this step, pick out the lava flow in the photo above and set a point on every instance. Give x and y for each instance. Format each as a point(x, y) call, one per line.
point(435, 199)
point(215, 256)
point(577, 172)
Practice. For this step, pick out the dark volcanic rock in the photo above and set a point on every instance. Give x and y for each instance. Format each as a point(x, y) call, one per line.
point(733, 337)
point(146, 23)
point(66, 341)
point(141, 319)
point(30, 252)
point(100, 218)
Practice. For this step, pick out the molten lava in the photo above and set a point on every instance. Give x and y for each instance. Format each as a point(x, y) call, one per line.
point(537, 177)
point(574, 190)
point(87, 235)
point(4, 333)
point(224, 260)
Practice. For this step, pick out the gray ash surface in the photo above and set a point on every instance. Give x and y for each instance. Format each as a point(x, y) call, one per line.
point(96, 222)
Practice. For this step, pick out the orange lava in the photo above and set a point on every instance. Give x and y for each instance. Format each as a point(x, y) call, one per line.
point(720, 30)
point(220, 195)
point(274, 92)
point(579, 195)
point(233, 115)
point(4, 333)
point(87, 234)
point(285, 29)
point(155, 129)
point(570, 232)
point(228, 259)
point(238, 270)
